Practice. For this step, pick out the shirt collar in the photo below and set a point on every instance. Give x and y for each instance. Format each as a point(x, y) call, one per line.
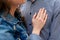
point(9, 18)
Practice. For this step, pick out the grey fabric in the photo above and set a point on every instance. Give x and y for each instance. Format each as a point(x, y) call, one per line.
point(51, 30)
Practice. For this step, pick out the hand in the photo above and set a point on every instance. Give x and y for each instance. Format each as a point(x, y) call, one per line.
point(38, 21)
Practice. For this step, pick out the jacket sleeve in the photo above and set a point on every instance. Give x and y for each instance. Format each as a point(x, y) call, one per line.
point(35, 37)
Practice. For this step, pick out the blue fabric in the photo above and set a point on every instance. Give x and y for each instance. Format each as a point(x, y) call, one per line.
point(35, 37)
point(51, 30)
point(10, 29)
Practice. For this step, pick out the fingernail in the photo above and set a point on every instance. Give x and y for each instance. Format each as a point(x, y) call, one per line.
point(45, 10)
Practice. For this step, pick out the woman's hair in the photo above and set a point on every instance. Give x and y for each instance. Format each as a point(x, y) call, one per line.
point(0, 4)
point(4, 5)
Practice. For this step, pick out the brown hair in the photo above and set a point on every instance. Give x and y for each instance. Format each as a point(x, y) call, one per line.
point(0, 4)
point(4, 5)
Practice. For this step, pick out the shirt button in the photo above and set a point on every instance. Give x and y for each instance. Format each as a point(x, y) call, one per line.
point(18, 39)
point(30, 24)
point(30, 13)
point(14, 27)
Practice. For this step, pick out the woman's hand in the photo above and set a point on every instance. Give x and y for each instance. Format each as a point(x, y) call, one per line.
point(38, 21)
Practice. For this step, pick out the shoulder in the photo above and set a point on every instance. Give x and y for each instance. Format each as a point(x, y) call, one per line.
point(4, 25)
point(0, 19)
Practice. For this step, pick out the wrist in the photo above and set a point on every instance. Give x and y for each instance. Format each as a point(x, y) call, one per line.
point(37, 32)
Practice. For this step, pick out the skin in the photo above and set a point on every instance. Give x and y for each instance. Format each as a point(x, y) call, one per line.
point(14, 4)
point(38, 20)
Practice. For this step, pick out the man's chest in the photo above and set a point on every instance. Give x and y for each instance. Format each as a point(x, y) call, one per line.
point(35, 8)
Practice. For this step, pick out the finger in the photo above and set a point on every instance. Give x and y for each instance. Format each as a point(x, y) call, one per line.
point(39, 13)
point(44, 15)
point(35, 15)
point(45, 19)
